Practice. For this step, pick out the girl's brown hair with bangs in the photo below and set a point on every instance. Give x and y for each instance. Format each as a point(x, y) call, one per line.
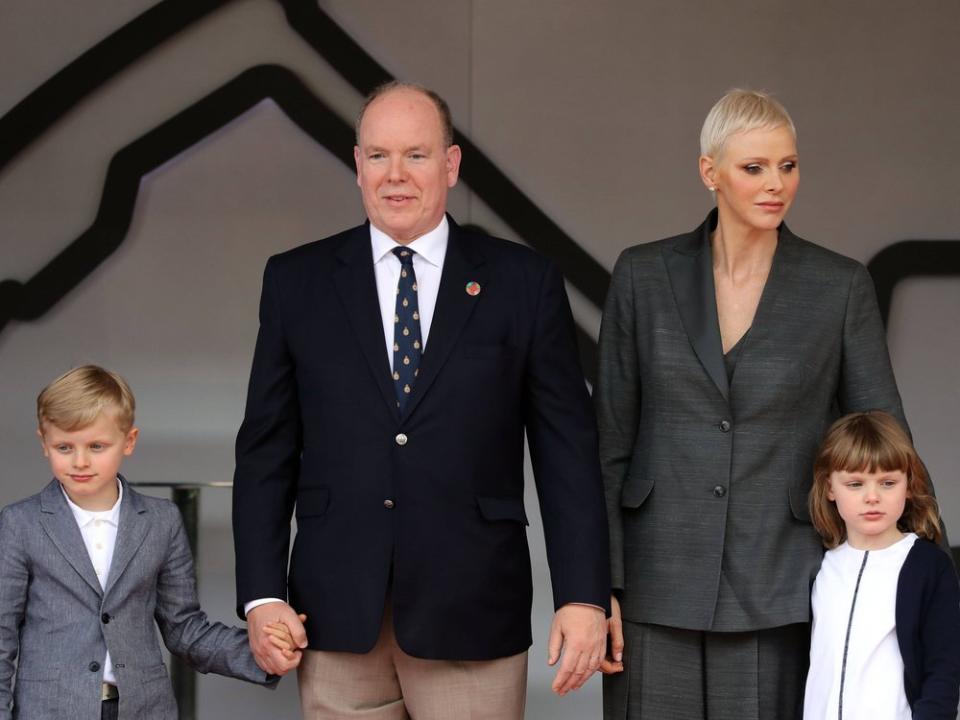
point(871, 441)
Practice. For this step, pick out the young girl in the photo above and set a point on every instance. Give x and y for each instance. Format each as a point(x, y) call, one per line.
point(886, 605)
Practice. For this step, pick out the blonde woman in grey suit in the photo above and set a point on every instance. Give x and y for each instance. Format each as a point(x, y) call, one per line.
point(724, 354)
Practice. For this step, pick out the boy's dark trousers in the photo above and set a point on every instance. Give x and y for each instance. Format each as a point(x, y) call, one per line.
point(110, 709)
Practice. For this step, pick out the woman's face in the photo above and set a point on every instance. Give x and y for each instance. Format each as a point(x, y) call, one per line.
point(755, 178)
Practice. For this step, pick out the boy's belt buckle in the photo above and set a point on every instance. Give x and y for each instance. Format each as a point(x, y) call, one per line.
point(109, 692)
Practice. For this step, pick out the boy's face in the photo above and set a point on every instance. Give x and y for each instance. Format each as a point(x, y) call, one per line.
point(86, 461)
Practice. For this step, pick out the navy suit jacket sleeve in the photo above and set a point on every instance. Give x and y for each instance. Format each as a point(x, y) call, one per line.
point(268, 459)
point(561, 433)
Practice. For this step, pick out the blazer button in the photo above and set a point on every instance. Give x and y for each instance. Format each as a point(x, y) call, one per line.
point(388, 504)
point(105, 617)
point(401, 439)
point(719, 491)
point(724, 426)
point(94, 666)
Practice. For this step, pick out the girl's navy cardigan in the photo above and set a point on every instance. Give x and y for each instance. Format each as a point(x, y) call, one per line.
point(928, 631)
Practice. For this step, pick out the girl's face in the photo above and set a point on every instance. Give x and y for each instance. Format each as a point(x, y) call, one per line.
point(870, 505)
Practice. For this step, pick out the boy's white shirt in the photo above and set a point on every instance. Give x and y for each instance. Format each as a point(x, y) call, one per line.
point(99, 531)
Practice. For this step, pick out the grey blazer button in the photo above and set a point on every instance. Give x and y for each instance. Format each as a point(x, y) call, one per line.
point(724, 426)
point(719, 491)
point(94, 666)
point(105, 618)
point(388, 504)
point(401, 439)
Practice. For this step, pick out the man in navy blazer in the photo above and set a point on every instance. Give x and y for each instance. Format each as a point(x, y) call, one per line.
point(397, 368)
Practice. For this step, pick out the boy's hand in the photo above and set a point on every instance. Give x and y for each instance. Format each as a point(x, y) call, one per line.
point(279, 636)
point(269, 657)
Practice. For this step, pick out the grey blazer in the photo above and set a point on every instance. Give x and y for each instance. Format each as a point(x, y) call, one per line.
point(707, 481)
point(56, 618)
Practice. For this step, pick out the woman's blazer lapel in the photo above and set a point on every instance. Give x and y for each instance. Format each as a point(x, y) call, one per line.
point(689, 265)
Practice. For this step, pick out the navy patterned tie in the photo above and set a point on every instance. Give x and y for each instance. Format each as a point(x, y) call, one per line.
point(407, 344)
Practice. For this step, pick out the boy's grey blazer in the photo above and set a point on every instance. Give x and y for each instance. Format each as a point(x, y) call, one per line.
point(54, 614)
point(707, 481)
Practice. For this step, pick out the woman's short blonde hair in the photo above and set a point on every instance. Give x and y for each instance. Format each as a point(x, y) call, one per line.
point(739, 111)
point(75, 399)
point(871, 441)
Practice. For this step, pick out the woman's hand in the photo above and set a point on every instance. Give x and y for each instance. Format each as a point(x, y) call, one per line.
point(613, 662)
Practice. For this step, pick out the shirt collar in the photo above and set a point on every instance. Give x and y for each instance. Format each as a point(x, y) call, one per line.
point(431, 246)
point(85, 517)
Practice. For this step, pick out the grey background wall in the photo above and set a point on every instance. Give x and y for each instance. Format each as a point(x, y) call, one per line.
point(593, 109)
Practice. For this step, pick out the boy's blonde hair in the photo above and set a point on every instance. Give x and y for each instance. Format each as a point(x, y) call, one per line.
point(75, 399)
point(740, 111)
point(871, 441)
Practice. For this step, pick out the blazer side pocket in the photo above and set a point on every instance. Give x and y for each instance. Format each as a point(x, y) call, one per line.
point(798, 494)
point(635, 491)
point(312, 502)
point(502, 508)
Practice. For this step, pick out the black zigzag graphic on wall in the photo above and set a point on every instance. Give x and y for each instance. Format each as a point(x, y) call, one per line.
point(55, 98)
point(33, 116)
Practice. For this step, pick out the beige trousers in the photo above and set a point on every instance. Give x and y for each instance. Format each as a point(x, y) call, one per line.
point(388, 684)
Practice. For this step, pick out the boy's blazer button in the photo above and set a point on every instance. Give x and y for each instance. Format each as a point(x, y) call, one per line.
point(105, 617)
point(388, 504)
point(719, 491)
point(94, 666)
point(401, 439)
point(724, 426)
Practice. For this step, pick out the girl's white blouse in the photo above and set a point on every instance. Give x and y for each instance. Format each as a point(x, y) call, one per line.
point(873, 678)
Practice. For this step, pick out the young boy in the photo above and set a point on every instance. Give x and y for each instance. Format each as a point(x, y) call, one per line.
point(88, 564)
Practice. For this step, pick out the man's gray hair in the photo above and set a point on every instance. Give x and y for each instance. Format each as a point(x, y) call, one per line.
point(446, 119)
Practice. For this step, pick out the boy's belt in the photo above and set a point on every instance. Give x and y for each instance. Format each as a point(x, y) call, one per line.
point(109, 692)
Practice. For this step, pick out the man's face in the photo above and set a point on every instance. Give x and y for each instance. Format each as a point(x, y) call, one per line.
point(403, 168)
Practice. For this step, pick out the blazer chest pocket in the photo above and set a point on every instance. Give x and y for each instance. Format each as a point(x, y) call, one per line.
point(312, 502)
point(635, 491)
point(488, 352)
point(502, 508)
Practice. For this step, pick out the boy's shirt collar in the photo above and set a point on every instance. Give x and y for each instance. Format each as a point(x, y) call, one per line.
point(85, 517)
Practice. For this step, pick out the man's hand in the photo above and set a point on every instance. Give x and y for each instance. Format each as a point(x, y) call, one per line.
point(613, 662)
point(269, 657)
point(581, 632)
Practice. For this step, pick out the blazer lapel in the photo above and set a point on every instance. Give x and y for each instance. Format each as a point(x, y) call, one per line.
point(134, 523)
point(357, 286)
point(690, 266)
point(61, 527)
point(463, 263)
point(779, 277)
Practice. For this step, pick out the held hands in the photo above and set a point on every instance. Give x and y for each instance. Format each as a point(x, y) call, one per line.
point(613, 662)
point(277, 637)
point(280, 637)
point(581, 632)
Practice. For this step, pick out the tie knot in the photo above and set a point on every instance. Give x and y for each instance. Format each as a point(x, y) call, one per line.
point(405, 255)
